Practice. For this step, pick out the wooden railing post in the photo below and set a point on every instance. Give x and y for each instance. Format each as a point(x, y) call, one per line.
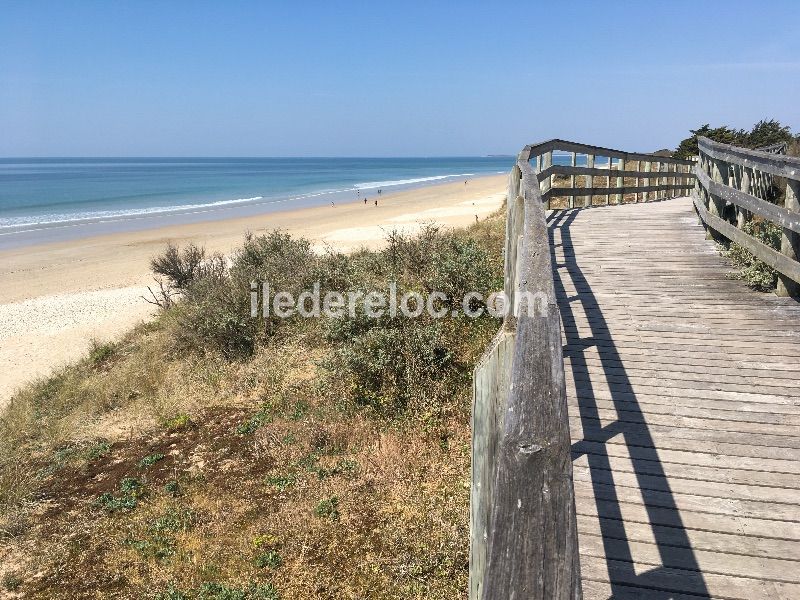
point(659, 194)
point(620, 180)
point(673, 181)
point(589, 200)
point(790, 241)
point(546, 161)
point(744, 185)
point(574, 162)
point(714, 204)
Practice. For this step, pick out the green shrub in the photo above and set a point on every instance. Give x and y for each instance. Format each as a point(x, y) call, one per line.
point(270, 559)
point(100, 354)
point(757, 274)
point(183, 267)
point(12, 582)
point(174, 520)
point(215, 316)
point(328, 508)
point(98, 450)
point(263, 416)
point(172, 488)
point(218, 591)
point(149, 461)
point(178, 422)
point(281, 482)
point(131, 490)
point(388, 363)
point(391, 366)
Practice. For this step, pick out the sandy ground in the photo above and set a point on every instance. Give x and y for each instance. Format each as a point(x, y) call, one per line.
point(56, 298)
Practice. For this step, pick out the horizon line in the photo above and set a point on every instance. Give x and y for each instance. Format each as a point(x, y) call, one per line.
point(55, 157)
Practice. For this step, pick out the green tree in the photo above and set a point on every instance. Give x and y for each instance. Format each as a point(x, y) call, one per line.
point(768, 132)
point(763, 133)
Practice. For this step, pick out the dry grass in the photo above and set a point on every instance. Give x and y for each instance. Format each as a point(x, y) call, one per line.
point(149, 472)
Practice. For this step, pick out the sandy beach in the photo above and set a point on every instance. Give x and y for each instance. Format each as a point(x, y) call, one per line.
point(55, 298)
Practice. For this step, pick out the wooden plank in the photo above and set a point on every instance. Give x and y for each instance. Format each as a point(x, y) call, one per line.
point(591, 544)
point(635, 526)
point(631, 508)
point(659, 580)
point(600, 485)
point(699, 481)
point(707, 457)
point(667, 440)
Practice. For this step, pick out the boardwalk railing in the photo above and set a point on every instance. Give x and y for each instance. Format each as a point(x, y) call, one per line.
point(734, 185)
point(610, 176)
point(523, 525)
point(524, 541)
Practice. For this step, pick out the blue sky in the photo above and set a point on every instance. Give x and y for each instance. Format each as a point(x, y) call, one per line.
point(173, 78)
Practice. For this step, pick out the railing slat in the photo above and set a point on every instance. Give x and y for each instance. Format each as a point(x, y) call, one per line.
point(787, 219)
point(558, 192)
point(766, 162)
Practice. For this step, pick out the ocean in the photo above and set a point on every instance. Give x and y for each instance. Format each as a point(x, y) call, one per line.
point(48, 199)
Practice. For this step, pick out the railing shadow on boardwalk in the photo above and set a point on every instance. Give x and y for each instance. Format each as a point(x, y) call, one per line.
point(675, 547)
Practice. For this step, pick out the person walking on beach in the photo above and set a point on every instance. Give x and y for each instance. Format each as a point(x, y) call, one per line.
point(376, 202)
point(365, 199)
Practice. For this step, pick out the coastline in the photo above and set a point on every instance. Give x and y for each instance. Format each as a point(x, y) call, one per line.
point(56, 297)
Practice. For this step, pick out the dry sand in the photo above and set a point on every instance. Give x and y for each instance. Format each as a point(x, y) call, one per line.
point(55, 298)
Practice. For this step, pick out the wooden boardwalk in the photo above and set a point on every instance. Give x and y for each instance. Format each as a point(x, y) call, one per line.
point(684, 410)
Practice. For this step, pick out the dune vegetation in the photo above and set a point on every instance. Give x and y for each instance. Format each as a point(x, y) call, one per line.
point(212, 455)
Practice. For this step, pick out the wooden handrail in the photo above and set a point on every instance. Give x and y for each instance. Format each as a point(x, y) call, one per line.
point(778, 148)
point(567, 146)
point(767, 162)
point(735, 183)
point(524, 541)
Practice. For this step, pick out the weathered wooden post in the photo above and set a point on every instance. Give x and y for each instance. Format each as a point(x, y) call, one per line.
point(715, 205)
point(659, 168)
point(673, 181)
point(574, 162)
point(589, 199)
point(742, 216)
point(620, 181)
point(545, 162)
point(790, 241)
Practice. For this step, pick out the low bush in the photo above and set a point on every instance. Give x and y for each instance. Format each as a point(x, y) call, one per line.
point(756, 273)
